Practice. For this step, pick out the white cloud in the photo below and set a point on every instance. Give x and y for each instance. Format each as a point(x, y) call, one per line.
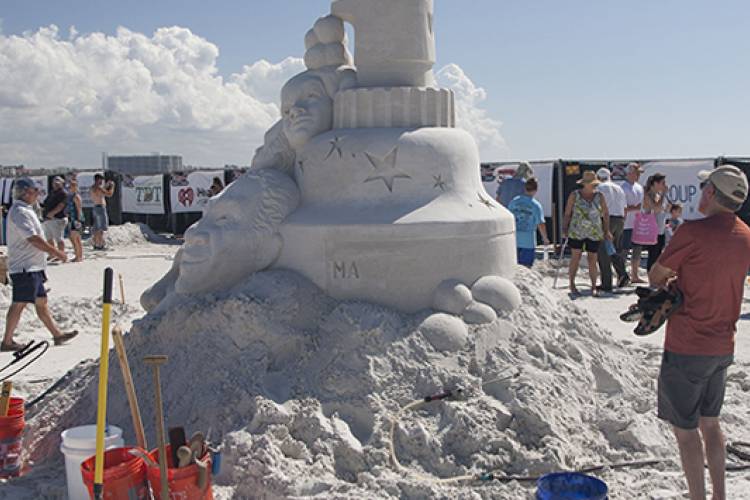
point(470, 115)
point(65, 99)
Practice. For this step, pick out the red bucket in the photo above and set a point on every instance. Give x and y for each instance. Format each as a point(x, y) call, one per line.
point(183, 482)
point(11, 432)
point(17, 403)
point(124, 475)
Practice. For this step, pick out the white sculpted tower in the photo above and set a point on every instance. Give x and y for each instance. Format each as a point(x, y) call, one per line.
point(391, 198)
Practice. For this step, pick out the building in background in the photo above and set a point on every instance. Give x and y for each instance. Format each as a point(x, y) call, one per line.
point(142, 165)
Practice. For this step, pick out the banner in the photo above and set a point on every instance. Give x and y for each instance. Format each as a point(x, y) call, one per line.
point(85, 181)
point(189, 193)
point(5, 193)
point(143, 194)
point(543, 171)
point(682, 180)
point(41, 184)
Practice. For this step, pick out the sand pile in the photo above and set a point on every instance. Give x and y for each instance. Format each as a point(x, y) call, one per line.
point(130, 234)
point(303, 388)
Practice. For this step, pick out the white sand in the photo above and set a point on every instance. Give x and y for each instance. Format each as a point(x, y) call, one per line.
point(305, 410)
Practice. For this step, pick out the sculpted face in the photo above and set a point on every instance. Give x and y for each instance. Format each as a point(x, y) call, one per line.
point(306, 109)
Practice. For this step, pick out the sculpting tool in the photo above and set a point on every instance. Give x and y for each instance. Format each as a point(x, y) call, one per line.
point(156, 362)
point(176, 441)
point(5, 398)
point(127, 377)
point(101, 411)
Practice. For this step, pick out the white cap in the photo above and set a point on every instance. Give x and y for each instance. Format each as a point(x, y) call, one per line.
point(603, 174)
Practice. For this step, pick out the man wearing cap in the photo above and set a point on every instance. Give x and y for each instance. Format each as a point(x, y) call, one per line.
point(516, 185)
point(53, 212)
point(710, 259)
point(615, 198)
point(634, 199)
point(27, 262)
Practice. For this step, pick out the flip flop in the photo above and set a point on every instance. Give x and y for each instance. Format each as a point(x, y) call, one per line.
point(65, 337)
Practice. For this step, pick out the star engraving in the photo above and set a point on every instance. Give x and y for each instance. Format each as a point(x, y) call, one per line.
point(385, 169)
point(439, 182)
point(335, 147)
point(484, 201)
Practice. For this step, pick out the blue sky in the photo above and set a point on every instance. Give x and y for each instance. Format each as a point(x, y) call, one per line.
point(644, 78)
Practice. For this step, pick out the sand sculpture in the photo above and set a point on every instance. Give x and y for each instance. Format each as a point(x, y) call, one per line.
point(364, 186)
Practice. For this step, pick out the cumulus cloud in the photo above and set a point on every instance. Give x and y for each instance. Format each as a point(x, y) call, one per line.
point(469, 113)
point(66, 98)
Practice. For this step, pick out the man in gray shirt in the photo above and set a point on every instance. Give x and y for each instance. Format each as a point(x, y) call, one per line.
point(615, 199)
point(27, 263)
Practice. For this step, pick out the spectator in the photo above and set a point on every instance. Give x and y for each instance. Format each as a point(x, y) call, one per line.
point(529, 216)
point(634, 199)
point(74, 210)
point(99, 194)
point(27, 262)
point(674, 221)
point(699, 342)
point(586, 224)
point(614, 196)
point(53, 214)
point(655, 202)
point(216, 187)
point(516, 185)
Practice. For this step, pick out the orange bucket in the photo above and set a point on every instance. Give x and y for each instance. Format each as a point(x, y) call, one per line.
point(183, 482)
point(11, 433)
point(124, 475)
point(17, 403)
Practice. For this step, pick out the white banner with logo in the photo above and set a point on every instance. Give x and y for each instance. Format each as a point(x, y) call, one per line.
point(189, 192)
point(682, 179)
point(143, 194)
point(543, 171)
point(41, 184)
point(85, 181)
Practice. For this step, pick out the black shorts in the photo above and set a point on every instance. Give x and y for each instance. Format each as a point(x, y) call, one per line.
point(691, 387)
point(590, 246)
point(27, 287)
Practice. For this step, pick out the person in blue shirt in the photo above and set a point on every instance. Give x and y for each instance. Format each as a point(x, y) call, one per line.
point(529, 216)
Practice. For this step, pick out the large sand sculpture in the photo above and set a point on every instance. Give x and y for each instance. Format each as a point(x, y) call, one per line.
point(364, 186)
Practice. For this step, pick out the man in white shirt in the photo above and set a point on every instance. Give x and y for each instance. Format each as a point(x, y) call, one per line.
point(27, 262)
point(614, 196)
point(634, 199)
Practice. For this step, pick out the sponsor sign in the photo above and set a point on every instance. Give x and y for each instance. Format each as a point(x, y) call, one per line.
point(190, 192)
point(143, 194)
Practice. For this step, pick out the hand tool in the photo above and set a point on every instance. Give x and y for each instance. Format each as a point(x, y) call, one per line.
point(127, 377)
point(101, 411)
point(156, 362)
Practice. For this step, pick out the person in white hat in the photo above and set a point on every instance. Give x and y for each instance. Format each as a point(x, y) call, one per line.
point(615, 198)
point(709, 259)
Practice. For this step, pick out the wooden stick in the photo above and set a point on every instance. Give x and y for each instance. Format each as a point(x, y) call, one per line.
point(122, 289)
point(5, 398)
point(155, 362)
point(127, 377)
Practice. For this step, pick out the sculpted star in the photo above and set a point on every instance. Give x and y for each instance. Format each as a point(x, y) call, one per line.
point(439, 182)
point(484, 201)
point(385, 169)
point(335, 147)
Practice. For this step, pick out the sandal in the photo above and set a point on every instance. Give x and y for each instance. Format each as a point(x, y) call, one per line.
point(62, 339)
point(12, 347)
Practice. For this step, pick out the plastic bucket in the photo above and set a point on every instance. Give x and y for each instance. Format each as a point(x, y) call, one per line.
point(11, 435)
point(570, 486)
point(78, 444)
point(124, 475)
point(183, 482)
point(17, 403)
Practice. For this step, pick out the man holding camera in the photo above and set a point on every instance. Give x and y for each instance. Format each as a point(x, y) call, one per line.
point(100, 191)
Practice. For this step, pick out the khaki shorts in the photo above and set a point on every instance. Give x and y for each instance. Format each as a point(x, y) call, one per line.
point(691, 387)
point(54, 230)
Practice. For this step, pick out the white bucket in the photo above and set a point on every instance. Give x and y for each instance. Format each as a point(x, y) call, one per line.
point(78, 444)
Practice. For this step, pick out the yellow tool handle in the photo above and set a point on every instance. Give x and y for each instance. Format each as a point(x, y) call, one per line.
point(101, 410)
point(5, 398)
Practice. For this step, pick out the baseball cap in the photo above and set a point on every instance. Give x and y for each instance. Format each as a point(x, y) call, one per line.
point(730, 180)
point(603, 173)
point(24, 183)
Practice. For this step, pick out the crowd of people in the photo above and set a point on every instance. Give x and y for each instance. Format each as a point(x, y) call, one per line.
point(612, 223)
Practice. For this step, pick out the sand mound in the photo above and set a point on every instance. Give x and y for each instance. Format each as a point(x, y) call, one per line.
point(303, 389)
point(130, 234)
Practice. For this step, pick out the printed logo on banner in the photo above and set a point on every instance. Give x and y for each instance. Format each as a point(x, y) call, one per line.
point(186, 197)
point(142, 194)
